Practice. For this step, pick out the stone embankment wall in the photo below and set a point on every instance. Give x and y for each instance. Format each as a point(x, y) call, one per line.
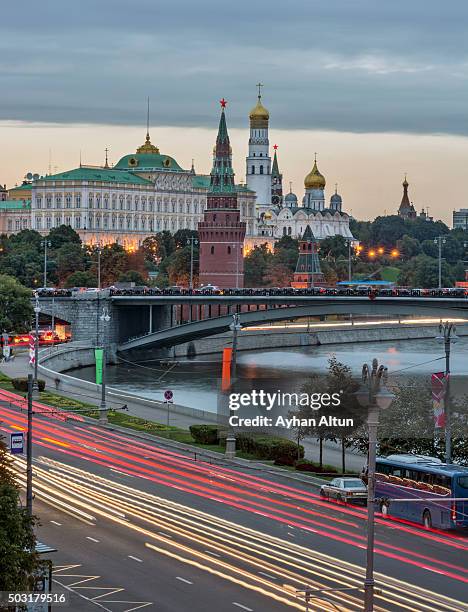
point(265, 339)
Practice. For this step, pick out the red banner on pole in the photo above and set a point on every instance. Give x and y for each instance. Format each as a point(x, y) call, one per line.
point(32, 350)
point(438, 385)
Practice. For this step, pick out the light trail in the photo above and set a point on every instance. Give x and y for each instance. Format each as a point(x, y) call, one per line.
point(231, 539)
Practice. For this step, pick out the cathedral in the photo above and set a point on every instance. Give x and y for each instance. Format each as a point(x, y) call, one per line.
point(282, 215)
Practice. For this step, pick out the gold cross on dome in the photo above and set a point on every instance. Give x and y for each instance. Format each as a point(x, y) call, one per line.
point(259, 85)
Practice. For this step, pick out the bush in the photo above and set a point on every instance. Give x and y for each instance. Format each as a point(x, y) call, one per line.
point(21, 384)
point(304, 465)
point(205, 434)
point(279, 450)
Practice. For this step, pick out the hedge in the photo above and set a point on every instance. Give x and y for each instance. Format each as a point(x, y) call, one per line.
point(281, 451)
point(304, 465)
point(21, 384)
point(205, 434)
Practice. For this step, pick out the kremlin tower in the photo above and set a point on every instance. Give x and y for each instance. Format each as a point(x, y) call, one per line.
point(258, 162)
point(276, 182)
point(308, 270)
point(221, 233)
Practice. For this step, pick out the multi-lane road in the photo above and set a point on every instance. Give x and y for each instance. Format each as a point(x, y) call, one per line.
point(139, 525)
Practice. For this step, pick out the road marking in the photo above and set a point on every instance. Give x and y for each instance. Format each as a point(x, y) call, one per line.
point(183, 580)
point(122, 473)
point(55, 523)
point(166, 535)
point(92, 539)
point(268, 575)
point(135, 558)
point(209, 552)
point(234, 603)
point(291, 534)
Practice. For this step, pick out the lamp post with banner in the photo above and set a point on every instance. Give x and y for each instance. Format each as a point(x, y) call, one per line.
point(374, 396)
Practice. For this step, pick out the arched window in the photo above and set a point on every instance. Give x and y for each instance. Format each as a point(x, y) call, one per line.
point(261, 169)
point(229, 250)
point(253, 169)
point(212, 250)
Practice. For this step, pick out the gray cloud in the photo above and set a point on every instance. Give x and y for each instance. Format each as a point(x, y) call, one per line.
point(353, 65)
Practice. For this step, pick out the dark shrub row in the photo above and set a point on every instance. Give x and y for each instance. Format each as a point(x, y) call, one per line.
point(21, 384)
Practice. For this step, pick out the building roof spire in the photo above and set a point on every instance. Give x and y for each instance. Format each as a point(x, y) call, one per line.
point(147, 146)
point(222, 174)
point(275, 169)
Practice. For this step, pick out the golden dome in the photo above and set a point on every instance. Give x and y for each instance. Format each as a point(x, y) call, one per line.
point(268, 215)
point(259, 112)
point(314, 180)
point(148, 147)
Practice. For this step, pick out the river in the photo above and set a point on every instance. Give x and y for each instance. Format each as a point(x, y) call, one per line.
point(195, 383)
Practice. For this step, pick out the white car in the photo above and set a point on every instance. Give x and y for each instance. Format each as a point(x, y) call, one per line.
point(346, 489)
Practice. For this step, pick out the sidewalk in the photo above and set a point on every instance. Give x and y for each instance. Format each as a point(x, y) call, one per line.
point(155, 411)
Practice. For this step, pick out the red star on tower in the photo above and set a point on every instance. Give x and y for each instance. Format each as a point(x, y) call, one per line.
point(275, 147)
point(223, 103)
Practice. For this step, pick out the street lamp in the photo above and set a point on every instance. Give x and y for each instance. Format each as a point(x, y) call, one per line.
point(44, 245)
point(374, 396)
point(105, 318)
point(349, 245)
point(37, 310)
point(447, 335)
point(191, 241)
point(235, 327)
point(440, 240)
point(98, 250)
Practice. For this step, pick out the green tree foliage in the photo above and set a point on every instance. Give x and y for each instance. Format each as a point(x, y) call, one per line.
point(15, 305)
point(256, 265)
point(64, 234)
point(18, 560)
point(69, 258)
point(132, 276)
point(425, 272)
point(81, 279)
point(333, 248)
point(408, 247)
point(182, 236)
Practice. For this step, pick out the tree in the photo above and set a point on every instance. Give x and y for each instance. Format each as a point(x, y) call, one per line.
point(426, 272)
point(18, 559)
point(334, 247)
point(255, 266)
point(408, 247)
point(114, 261)
point(278, 275)
point(69, 258)
point(15, 305)
point(386, 231)
point(64, 234)
point(81, 279)
point(181, 236)
point(132, 276)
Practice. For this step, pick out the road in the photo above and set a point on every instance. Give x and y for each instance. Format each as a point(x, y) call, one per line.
point(176, 533)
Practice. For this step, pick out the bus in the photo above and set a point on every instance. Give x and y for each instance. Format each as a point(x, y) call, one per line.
point(430, 483)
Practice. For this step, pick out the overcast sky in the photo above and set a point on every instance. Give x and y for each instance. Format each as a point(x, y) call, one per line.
point(346, 66)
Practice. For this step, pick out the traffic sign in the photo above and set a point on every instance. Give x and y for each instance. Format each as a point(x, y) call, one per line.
point(168, 395)
point(17, 443)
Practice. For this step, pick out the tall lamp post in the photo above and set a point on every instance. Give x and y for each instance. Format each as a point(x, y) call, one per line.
point(350, 274)
point(440, 240)
point(37, 310)
point(44, 245)
point(191, 241)
point(98, 250)
point(447, 335)
point(235, 327)
point(105, 318)
point(374, 396)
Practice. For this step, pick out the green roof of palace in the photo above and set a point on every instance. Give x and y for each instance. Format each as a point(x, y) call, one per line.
point(14, 204)
point(202, 181)
point(105, 175)
point(23, 187)
point(148, 161)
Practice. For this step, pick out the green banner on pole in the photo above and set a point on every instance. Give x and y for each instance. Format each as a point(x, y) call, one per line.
point(98, 355)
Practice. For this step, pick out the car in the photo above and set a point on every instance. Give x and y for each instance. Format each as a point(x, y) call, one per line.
point(346, 489)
